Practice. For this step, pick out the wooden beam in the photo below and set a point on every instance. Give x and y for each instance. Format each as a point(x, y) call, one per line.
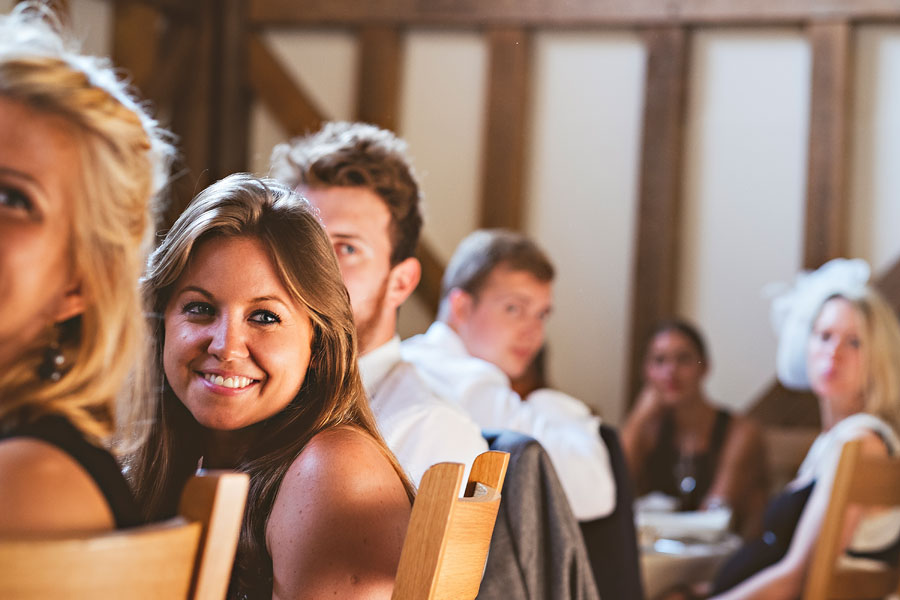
point(231, 118)
point(378, 77)
point(172, 8)
point(578, 13)
point(505, 130)
point(659, 196)
point(826, 200)
point(168, 77)
point(135, 41)
point(285, 99)
point(192, 114)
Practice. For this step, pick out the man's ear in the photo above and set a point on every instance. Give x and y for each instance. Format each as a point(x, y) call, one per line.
point(70, 305)
point(460, 303)
point(403, 279)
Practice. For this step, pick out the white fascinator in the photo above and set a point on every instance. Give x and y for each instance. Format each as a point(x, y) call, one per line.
point(795, 306)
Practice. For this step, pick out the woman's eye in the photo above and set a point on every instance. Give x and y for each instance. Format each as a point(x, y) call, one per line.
point(265, 317)
point(15, 199)
point(854, 342)
point(198, 309)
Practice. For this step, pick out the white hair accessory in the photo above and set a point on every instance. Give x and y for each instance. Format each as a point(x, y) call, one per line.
point(795, 307)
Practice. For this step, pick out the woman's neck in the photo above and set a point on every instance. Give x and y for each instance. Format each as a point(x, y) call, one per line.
point(834, 410)
point(225, 449)
point(693, 422)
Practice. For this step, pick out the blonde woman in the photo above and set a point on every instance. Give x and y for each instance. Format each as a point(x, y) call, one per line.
point(257, 364)
point(80, 162)
point(840, 339)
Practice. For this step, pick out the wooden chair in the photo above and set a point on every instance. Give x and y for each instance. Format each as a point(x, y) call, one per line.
point(447, 541)
point(189, 556)
point(866, 481)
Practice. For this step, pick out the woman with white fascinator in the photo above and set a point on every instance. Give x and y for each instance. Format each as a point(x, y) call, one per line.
point(839, 338)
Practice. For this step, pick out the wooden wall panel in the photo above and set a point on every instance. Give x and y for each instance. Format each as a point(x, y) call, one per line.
point(827, 211)
point(659, 196)
point(505, 129)
point(579, 13)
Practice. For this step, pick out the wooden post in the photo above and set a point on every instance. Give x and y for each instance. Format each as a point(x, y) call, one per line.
point(505, 129)
point(826, 203)
point(659, 203)
point(378, 77)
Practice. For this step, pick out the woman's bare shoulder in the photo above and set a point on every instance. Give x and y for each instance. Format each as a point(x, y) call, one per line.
point(339, 519)
point(46, 491)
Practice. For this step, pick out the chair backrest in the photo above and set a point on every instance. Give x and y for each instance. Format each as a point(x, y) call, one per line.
point(448, 537)
point(865, 481)
point(189, 556)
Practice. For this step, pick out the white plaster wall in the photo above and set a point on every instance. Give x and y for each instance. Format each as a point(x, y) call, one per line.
point(586, 120)
point(323, 63)
point(875, 177)
point(441, 117)
point(744, 188)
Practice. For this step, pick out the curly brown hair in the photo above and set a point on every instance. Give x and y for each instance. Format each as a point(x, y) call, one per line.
point(344, 154)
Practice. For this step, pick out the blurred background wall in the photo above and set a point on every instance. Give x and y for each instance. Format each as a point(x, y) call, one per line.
point(742, 184)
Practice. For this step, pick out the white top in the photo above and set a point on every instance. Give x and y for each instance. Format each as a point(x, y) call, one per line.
point(419, 428)
point(876, 531)
point(562, 424)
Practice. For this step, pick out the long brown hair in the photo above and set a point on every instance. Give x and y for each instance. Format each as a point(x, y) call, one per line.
point(331, 394)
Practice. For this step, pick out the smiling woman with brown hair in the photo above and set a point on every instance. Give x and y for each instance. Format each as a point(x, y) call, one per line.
point(258, 372)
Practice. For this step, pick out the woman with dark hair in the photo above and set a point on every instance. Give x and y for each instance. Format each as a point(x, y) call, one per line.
point(678, 443)
point(258, 372)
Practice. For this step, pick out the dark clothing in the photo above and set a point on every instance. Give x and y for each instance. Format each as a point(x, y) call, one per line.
point(537, 551)
point(779, 522)
point(98, 463)
point(685, 477)
point(611, 541)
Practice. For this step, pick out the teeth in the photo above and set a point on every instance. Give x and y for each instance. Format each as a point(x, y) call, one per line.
point(229, 382)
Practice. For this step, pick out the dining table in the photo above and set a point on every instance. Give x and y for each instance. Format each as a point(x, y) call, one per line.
point(682, 548)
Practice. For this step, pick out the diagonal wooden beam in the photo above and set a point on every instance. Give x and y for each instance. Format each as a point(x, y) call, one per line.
point(505, 131)
point(285, 98)
point(826, 199)
point(378, 76)
point(655, 272)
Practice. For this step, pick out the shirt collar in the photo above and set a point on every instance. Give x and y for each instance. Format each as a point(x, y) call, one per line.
point(375, 364)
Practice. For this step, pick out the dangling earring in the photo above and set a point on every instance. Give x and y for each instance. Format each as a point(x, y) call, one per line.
point(51, 368)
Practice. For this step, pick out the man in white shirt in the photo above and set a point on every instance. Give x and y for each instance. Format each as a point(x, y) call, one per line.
point(360, 179)
point(495, 298)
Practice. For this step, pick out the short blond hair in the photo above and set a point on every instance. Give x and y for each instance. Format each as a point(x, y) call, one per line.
point(124, 161)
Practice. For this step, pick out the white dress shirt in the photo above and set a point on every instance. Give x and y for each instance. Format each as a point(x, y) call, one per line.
point(419, 428)
point(562, 424)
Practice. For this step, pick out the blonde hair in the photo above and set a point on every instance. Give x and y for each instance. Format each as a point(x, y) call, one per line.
point(124, 161)
point(881, 347)
point(331, 394)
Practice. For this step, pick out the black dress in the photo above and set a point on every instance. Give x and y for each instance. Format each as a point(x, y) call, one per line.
point(663, 462)
point(99, 464)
